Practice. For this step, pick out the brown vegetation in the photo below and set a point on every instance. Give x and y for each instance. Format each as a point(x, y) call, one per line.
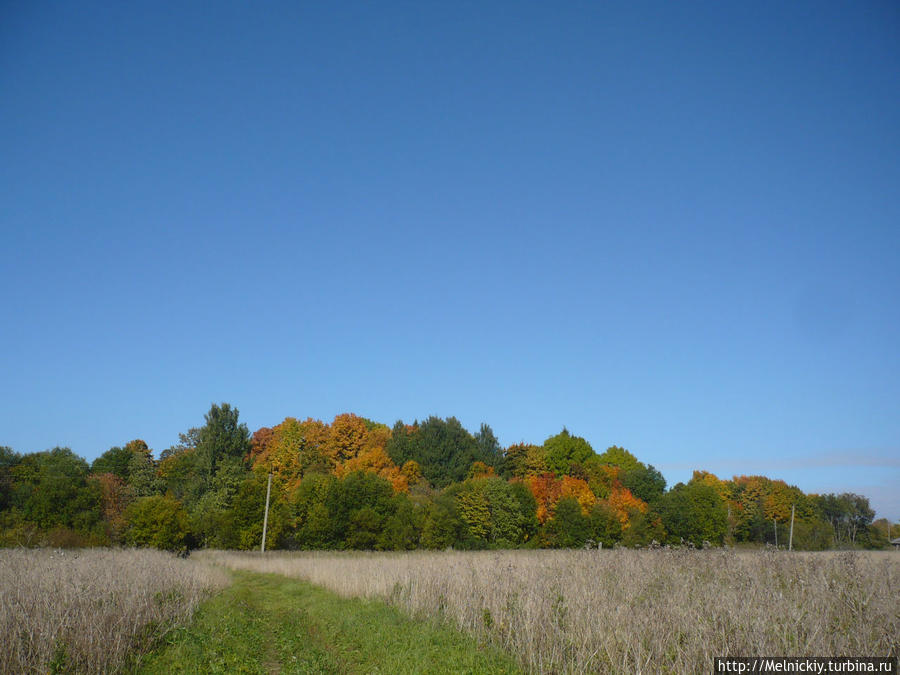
point(627, 610)
point(88, 610)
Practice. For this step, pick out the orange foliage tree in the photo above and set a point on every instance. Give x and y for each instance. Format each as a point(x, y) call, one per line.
point(602, 478)
point(547, 491)
point(350, 443)
point(115, 496)
point(292, 449)
point(623, 502)
point(481, 470)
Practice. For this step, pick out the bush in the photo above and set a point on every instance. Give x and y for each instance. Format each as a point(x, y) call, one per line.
point(160, 522)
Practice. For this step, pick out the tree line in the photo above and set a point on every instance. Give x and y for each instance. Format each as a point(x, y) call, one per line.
point(358, 484)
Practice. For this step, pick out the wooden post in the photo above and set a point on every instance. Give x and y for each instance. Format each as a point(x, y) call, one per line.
point(266, 516)
point(775, 523)
point(791, 538)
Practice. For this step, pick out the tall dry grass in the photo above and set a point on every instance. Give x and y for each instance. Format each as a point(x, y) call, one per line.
point(625, 610)
point(88, 610)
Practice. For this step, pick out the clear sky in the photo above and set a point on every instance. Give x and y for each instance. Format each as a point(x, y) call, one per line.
point(673, 227)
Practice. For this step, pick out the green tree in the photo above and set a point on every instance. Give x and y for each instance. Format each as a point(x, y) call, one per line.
point(443, 449)
point(143, 476)
point(114, 461)
point(209, 515)
point(442, 526)
point(645, 482)
point(849, 514)
point(50, 489)
point(221, 438)
point(605, 526)
point(620, 457)
point(473, 506)
point(568, 528)
point(527, 508)
point(494, 513)
point(314, 528)
point(563, 450)
point(186, 441)
point(403, 530)
point(694, 513)
point(244, 520)
point(157, 521)
point(8, 461)
point(358, 507)
point(180, 475)
point(643, 529)
point(489, 450)
point(317, 531)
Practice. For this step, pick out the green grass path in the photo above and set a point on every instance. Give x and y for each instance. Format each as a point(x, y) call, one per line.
point(266, 623)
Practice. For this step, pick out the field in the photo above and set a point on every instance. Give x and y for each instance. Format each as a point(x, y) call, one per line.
point(541, 611)
point(627, 610)
point(93, 610)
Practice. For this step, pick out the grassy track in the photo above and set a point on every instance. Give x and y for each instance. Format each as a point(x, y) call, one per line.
point(267, 623)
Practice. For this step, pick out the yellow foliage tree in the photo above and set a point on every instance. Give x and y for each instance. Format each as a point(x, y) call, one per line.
point(579, 489)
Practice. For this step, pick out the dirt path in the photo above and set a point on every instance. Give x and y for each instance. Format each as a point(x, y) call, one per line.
point(272, 624)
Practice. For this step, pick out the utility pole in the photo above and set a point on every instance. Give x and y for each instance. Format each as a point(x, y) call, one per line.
point(266, 516)
point(791, 539)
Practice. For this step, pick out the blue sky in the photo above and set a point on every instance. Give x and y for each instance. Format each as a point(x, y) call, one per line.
point(669, 226)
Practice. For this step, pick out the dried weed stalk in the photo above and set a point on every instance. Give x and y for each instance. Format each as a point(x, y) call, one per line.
point(89, 611)
point(626, 610)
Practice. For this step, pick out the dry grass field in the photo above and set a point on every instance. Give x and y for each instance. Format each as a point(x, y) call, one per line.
point(88, 610)
point(627, 610)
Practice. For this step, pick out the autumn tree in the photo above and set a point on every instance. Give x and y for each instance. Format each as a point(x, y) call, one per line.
point(644, 481)
point(294, 449)
point(115, 497)
point(358, 444)
point(578, 489)
point(546, 490)
point(347, 436)
point(601, 477)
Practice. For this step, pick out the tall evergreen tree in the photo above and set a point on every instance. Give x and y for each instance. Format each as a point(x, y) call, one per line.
point(222, 438)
